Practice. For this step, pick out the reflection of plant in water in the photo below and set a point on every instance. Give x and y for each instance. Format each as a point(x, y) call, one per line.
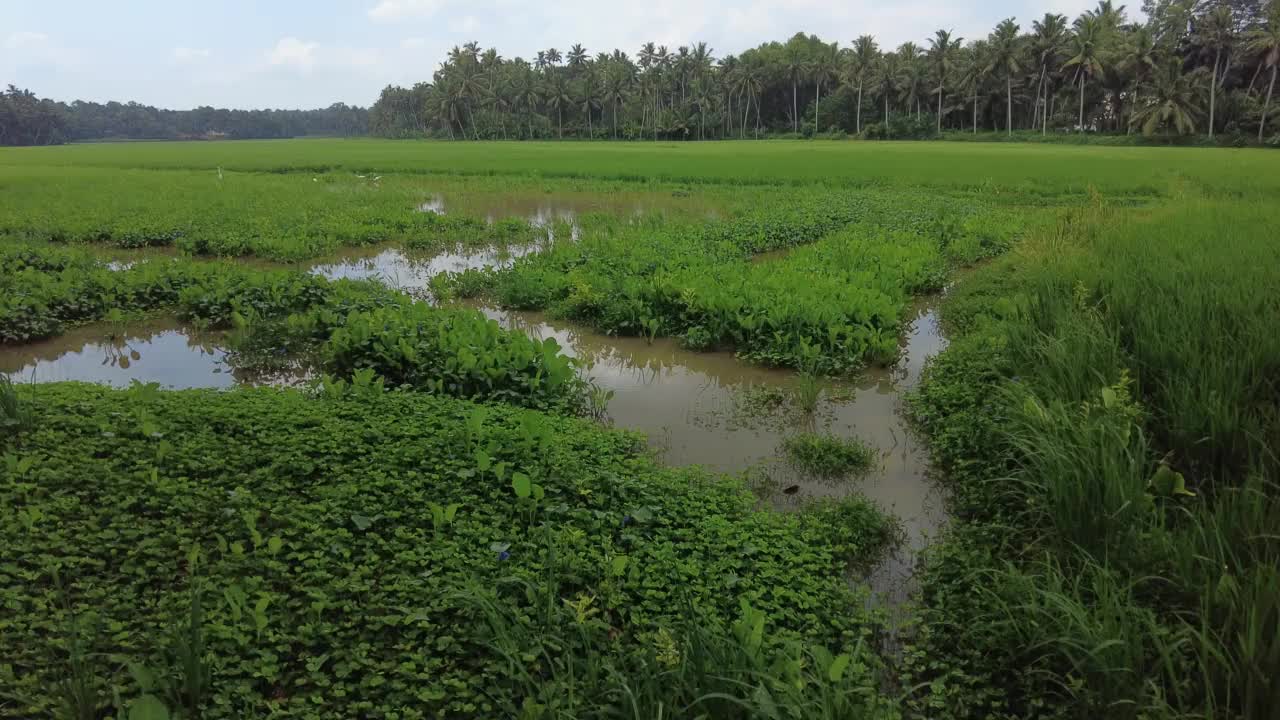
point(598, 401)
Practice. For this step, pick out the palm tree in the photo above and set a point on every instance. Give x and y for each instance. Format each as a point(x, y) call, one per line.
point(888, 74)
point(525, 93)
point(972, 70)
point(752, 78)
point(556, 92)
point(589, 96)
point(941, 46)
point(576, 56)
point(796, 68)
point(1217, 34)
point(617, 80)
point(1047, 41)
point(1085, 56)
point(824, 67)
point(1265, 42)
point(865, 54)
point(909, 56)
point(1003, 59)
point(1140, 58)
point(1172, 101)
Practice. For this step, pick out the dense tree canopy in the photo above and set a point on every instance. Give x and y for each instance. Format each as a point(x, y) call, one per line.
point(28, 120)
point(1189, 67)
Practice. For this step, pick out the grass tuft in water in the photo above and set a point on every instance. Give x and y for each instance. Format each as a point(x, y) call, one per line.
point(828, 456)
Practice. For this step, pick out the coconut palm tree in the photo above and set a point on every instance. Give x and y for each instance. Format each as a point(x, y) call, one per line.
point(589, 96)
point(1264, 42)
point(865, 55)
point(556, 95)
point(888, 77)
point(825, 66)
point(941, 47)
point(619, 75)
point(972, 70)
point(1003, 59)
point(1085, 53)
point(1171, 101)
point(910, 59)
point(797, 67)
point(1216, 34)
point(1049, 37)
point(524, 88)
point(1140, 59)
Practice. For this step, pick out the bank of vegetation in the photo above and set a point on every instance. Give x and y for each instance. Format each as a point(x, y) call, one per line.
point(1107, 419)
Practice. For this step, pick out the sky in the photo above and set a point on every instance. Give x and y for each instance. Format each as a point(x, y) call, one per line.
point(312, 53)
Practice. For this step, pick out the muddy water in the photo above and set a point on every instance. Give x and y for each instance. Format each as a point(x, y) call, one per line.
point(714, 410)
point(696, 408)
point(159, 351)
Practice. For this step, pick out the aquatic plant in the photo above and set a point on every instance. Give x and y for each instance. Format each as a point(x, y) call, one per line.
point(828, 456)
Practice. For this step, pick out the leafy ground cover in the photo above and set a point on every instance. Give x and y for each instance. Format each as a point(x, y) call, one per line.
point(1107, 422)
point(831, 304)
point(371, 553)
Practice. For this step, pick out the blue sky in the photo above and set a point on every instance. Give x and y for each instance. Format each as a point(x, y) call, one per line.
point(294, 53)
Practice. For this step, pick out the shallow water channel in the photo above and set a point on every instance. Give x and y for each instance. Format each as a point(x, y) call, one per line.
point(696, 408)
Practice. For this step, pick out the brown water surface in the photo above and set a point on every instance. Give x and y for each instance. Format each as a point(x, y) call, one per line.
point(696, 408)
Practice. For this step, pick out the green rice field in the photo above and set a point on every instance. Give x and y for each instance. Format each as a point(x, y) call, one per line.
point(409, 429)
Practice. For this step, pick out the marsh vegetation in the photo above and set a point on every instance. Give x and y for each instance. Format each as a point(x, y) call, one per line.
point(629, 432)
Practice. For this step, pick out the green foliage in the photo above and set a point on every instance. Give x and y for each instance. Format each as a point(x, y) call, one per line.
point(828, 456)
point(829, 305)
point(1109, 451)
point(45, 289)
point(15, 414)
point(454, 352)
point(342, 541)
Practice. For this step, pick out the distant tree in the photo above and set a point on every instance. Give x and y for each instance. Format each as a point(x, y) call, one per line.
point(1264, 42)
point(941, 48)
point(1086, 53)
point(1003, 60)
point(1171, 102)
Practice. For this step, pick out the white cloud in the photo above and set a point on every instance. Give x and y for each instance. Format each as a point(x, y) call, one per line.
point(413, 43)
point(186, 54)
point(465, 24)
point(401, 9)
point(25, 40)
point(293, 52)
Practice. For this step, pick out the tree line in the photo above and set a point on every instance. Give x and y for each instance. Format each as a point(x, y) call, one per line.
point(26, 119)
point(1191, 67)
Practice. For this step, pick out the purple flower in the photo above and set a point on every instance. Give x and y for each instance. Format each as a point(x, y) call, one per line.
point(503, 555)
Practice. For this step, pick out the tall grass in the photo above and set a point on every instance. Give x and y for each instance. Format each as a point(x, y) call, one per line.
point(1138, 474)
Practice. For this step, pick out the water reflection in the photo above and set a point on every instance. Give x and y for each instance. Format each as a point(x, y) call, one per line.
point(711, 409)
point(159, 351)
point(696, 408)
point(410, 272)
point(548, 208)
